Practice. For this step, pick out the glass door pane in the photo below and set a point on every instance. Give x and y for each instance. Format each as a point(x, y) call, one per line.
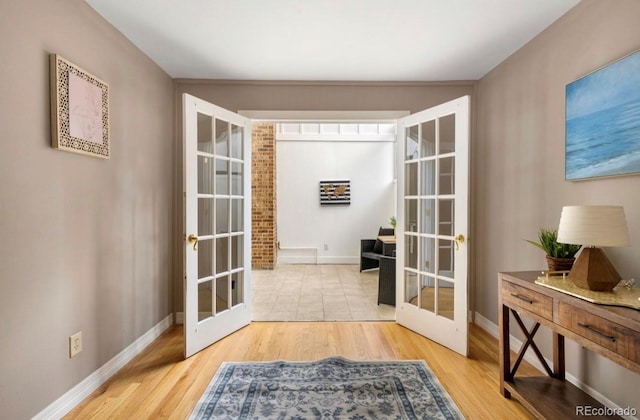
point(445, 298)
point(237, 142)
point(447, 134)
point(237, 288)
point(411, 288)
point(205, 175)
point(222, 138)
point(237, 215)
point(411, 215)
point(428, 139)
point(205, 259)
point(427, 293)
point(237, 178)
point(446, 176)
point(412, 142)
point(222, 294)
point(205, 133)
point(205, 301)
point(205, 216)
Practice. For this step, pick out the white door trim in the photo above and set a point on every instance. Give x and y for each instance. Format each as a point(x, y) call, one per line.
point(323, 116)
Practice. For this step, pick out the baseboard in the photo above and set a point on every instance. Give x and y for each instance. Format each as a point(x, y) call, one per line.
point(296, 259)
point(297, 255)
point(531, 357)
point(338, 260)
point(75, 395)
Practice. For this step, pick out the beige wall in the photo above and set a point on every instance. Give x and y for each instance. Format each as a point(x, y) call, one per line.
point(321, 96)
point(519, 162)
point(313, 96)
point(84, 242)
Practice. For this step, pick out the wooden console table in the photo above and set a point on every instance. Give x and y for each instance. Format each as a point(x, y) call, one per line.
point(610, 331)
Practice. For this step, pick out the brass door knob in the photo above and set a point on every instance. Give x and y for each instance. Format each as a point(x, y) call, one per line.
point(193, 239)
point(459, 239)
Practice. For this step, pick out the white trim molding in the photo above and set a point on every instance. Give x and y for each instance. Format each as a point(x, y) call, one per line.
point(297, 255)
point(339, 131)
point(60, 407)
point(327, 116)
point(338, 260)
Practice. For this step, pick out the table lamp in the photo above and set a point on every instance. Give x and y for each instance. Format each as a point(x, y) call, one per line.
point(593, 226)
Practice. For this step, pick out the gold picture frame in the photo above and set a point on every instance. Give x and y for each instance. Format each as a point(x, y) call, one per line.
point(79, 110)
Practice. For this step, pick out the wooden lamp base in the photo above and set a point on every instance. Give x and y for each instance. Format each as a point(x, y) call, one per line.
point(593, 270)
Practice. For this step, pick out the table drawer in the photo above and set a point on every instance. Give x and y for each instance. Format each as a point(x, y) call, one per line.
point(615, 337)
point(534, 302)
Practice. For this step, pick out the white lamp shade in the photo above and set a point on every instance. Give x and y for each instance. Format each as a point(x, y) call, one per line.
point(593, 226)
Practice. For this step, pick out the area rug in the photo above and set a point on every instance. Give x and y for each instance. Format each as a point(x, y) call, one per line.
point(333, 388)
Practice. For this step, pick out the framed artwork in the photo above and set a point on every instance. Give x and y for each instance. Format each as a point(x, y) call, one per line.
point(602, 124)
point(79, 110)
point(335, 192)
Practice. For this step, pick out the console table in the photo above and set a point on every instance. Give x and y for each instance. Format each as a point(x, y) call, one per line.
point(610, 331)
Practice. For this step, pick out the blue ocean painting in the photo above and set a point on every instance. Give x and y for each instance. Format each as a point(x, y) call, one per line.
point(603, 122)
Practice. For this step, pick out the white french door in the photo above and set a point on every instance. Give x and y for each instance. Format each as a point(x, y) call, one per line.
point(217, 240)
point(433, 185)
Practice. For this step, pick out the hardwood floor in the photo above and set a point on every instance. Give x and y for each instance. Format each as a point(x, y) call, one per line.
point(160, 384)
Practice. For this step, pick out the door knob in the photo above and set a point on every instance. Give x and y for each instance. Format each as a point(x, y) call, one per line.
point(193, 239)
point(459, 239)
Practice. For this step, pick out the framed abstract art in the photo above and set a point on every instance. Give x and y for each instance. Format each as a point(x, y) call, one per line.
point(79, 110)
point(335, 192)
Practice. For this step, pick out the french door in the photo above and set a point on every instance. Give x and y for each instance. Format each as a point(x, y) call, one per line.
point(433, 171)
point(217, 240)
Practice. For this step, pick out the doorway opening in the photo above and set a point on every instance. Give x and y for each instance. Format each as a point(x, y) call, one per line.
point(319, 188)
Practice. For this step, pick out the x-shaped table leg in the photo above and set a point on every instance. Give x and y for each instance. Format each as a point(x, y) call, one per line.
point(526, 344)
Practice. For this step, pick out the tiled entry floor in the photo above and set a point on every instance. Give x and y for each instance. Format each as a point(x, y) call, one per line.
point(317, 293)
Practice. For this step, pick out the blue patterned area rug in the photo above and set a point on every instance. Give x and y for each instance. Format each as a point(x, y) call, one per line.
point(333, 388)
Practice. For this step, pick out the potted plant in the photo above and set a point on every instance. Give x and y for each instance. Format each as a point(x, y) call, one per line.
point(560, 257)
point(393, 222)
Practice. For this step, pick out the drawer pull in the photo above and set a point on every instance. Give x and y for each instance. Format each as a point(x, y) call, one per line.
point(524, 298)
point(600, 333)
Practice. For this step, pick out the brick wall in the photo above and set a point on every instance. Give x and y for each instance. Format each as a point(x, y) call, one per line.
point(263, 201)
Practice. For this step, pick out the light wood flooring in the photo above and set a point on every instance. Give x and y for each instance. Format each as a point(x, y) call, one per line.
point(158, 383)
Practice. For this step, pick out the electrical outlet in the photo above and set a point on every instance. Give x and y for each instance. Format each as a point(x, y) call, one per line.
point(326, 247)
point(75, 344)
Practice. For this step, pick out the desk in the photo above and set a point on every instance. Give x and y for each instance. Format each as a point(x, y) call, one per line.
point(387, 281)
point(388, 245)
point(610, 331)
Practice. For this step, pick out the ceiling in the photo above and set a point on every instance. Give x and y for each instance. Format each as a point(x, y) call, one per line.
point(331, 40)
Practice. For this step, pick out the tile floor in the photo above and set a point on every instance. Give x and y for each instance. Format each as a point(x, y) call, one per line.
point(317, 293)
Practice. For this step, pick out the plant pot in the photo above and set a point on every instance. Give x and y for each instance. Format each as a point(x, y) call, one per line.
point(559, 264)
